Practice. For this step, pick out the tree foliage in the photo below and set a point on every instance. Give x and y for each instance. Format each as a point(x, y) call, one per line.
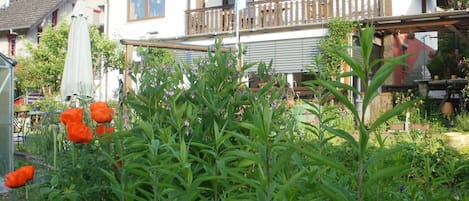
point(42, 66)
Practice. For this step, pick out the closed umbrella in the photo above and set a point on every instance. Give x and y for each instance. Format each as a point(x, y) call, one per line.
point(77, 77)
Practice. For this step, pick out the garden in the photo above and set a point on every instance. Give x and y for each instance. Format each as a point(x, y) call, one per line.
point(209, 137)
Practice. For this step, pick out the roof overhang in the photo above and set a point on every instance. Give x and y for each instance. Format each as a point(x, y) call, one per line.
point(15, 28)
point(450, 21)
point(9, 60)
point(169, 45)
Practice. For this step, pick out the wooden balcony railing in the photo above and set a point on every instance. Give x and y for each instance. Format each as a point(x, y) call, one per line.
point(280, 13)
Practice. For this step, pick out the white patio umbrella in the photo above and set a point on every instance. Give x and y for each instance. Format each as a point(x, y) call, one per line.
point(77, 77)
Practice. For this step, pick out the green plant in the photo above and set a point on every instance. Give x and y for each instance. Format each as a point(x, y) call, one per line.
point(451, 52)
point(199, 134)
point(338, 36)
point(462, 121)
point(211, 139)
point(367, 171)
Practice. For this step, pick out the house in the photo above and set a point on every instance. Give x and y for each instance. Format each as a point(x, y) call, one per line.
point(286, 31)
point(22, 21)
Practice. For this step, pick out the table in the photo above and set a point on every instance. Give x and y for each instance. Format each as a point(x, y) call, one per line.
point(451, 89)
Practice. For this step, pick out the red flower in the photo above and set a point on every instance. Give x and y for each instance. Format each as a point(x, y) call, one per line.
point(101, 129)
point(72, 115)
point(79, 133)
point(98, 105)
point(19, 177)
point(101, 112)
point(28, 171)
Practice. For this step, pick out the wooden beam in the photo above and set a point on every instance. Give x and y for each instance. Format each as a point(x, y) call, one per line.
point(129, 49)
point(459, 34)
point(416, 24)
point(169, 45)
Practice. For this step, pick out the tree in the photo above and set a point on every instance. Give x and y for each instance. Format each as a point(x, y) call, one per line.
point(42, 68)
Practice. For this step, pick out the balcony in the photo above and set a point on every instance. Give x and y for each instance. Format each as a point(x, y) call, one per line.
point(261, 15)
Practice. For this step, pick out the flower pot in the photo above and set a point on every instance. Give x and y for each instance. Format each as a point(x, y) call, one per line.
point(447, 108)
point(456, 140)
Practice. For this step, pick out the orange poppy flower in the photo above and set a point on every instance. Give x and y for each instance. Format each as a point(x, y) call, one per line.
point(19, 177)
point(101, 112)
point(79, 133)
point(102, 115)
point(98, 105)
point(101, 129)
point(28, 171)
point(72, 115)
point(15, 180)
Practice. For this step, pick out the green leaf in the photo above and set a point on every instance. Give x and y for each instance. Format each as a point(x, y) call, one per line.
point(146, 127)
point(245, 155)
point(284, 156)
point(128, 195)
point(351, 61)
point(348, 74)
point(382, 154)
point(398, 109)
point(260, 195)
point(380, 77)
point(253, 128)
point(344, 135)
point(385, 173)
point(366, 43)
point(183, 152)
point(323, 159)
point(290, 183)
point(341, 97)
point(333, 192)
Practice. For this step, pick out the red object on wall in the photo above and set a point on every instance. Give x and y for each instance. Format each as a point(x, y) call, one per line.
point(20, 101)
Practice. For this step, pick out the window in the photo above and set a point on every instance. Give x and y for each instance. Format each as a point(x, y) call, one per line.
point(12, 44)
point(39, 31)
point(141, 9)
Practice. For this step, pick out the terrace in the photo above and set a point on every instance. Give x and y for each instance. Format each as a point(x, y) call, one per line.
point(263, 15)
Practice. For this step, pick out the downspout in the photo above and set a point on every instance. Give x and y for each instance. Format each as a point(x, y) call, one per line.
point(106, 65)
point(107, 18)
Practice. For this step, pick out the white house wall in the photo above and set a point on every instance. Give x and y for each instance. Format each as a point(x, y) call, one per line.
point(213, 3)
point(291, 52)
point(173, 24)
point(410, 7)
point(4, 45)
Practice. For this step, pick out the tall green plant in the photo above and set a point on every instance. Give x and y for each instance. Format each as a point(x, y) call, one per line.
point(205, 136)
point(367, 176)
